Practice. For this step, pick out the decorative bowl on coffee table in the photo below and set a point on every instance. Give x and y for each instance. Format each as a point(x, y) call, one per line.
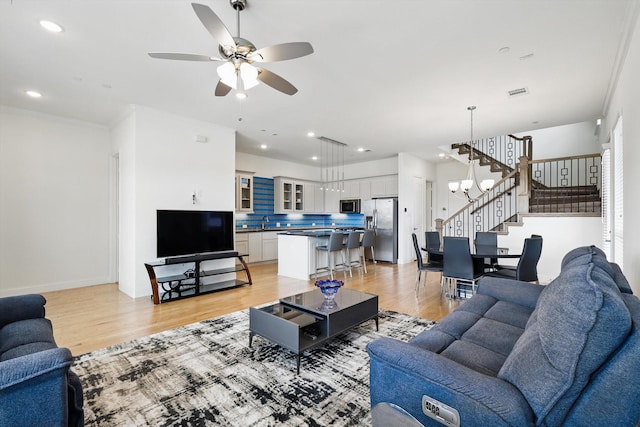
point(329, 288)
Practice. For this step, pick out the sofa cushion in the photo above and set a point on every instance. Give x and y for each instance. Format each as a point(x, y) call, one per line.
point(620, 279)
point(509, 313)
point(579, 320)
point(26, 337)
point(479, 334)
point(474, 356)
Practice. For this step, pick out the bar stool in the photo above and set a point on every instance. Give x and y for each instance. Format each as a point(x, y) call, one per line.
point(334, 245)
point(353, 242)
point(368, 241)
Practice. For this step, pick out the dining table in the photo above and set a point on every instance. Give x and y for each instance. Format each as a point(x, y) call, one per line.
point(477, 256)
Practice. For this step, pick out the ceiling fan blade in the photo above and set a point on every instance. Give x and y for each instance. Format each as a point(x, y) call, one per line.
point(183, 56)
point(276, 82)
point(222, 89)
point(282, 52)
point(214, 25)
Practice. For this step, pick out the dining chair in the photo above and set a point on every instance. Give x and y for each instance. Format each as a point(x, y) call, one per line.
point(432, 242)
point(527, 268)
point(422, 266)
point(458, 265)
point(487, 242)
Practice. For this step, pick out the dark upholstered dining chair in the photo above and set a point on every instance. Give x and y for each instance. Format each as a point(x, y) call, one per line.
point(487, 242)
point(422, 266)
point(432, 242)
point(527, 268)
point(458, 265)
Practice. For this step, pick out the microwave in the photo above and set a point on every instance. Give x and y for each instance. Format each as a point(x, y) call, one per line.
point(350, 206)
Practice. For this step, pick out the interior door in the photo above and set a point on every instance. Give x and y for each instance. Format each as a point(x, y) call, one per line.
point(417, 213)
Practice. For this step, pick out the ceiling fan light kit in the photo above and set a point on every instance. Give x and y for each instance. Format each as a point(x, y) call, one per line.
point(238, 54)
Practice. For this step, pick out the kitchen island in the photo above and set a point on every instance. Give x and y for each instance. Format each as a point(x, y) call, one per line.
point(297, 252)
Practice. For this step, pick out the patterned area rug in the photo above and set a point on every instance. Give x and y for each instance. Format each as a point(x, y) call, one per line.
point(206, 374)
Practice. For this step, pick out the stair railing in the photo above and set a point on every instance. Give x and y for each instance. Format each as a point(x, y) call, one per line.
point(566, 184)
point(501, 153)
point(487, 212)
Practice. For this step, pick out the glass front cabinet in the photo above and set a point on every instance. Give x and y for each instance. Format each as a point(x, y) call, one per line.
point(244, 192)
point(289, 195)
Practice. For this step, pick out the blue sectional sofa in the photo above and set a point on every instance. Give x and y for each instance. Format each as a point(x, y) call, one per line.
point(519, 354)
point(37, 388)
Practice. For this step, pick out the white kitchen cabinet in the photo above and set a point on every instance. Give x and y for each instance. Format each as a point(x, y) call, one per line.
point(384, 186)
point(391, 185)
point(365, 189)
point(289, 195)
point(255, 247)
point(351, 190)
point(314, 197)
point(269, 245)
point(244, 192)
point(332, 201)
point(242, 243)
point(318, 195)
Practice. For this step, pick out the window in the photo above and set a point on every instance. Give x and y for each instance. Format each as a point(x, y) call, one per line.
point(618, 192)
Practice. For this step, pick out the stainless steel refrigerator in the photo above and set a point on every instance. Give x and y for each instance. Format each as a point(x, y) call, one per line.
point(382, 216)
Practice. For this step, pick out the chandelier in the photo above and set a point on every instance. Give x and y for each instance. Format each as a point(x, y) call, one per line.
point(332, 166)
point(467, 184)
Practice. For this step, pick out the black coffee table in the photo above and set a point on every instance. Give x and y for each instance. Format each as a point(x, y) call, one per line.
point(303, 321)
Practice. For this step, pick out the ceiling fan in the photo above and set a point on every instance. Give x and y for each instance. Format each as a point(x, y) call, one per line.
point(239, 55)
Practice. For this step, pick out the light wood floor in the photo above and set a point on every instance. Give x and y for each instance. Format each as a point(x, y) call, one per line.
point(86, 319)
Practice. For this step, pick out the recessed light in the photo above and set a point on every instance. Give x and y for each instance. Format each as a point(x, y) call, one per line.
point(441, 155)
point(51, 26)
point(263, 146)
point(311, 134)
point(527, 56)
point(241, 95)
point(360, 149)
point(314, 158)
point(33, 93)
point(505, 49)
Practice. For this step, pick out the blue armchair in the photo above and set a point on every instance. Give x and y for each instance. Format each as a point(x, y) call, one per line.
point(518, 354)
point(37, 388)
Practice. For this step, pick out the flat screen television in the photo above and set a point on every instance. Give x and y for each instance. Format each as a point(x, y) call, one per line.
point(193, 232)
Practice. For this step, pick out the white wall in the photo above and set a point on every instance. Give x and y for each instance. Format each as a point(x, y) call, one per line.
point(161, 171)
point(54, 203)
point(388, 166)
point(568, 140)
point(625, 102)
point(559, 234)
point(268, 167)
point(409, 168)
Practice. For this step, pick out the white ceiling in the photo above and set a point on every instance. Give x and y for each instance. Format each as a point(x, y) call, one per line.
point(386, 75)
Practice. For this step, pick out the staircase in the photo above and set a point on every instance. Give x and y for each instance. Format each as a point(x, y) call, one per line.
point(483, 158)
point(559, 186)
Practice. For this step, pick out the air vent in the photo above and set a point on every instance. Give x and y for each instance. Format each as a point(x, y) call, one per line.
point(518, 92)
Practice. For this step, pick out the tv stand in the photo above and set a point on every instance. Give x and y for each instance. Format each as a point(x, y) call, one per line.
point(192, 282)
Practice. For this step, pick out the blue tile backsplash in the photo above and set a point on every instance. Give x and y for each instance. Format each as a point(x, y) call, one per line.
point(262, 196)
point(263, 206)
